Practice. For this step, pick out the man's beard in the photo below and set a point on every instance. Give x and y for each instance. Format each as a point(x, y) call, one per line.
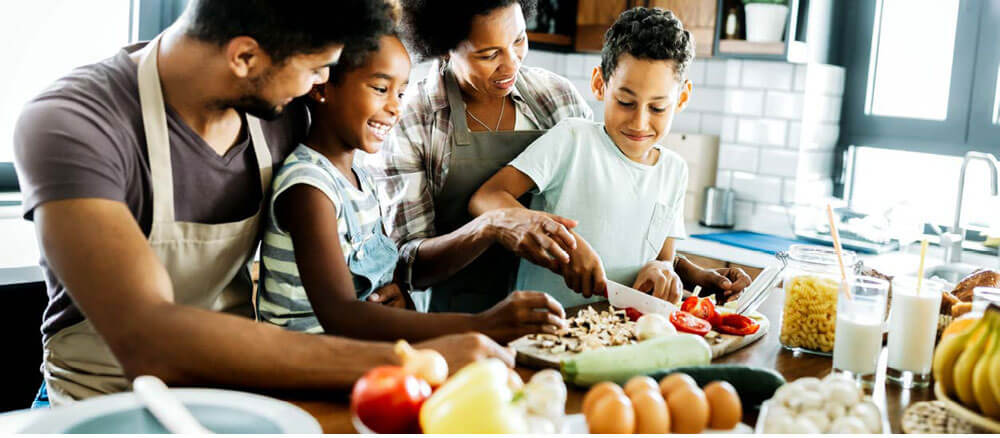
point(257, 107)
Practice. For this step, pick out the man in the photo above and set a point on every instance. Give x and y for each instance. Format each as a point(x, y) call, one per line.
point(145, 175)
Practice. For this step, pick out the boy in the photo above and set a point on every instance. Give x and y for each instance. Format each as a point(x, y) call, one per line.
point(625, 190)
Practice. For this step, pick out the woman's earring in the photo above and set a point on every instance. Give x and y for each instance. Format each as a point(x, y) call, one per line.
point(322, 100)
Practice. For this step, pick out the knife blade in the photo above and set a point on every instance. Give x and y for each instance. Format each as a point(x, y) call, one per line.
point(622, 297)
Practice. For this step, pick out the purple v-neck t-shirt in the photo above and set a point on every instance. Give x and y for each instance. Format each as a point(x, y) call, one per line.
point(83, 138)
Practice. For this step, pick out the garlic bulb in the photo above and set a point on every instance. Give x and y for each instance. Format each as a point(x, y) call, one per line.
point(425, 364)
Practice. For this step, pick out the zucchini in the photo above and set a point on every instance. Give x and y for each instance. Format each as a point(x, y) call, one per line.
point(754, 385)
point(618, 364)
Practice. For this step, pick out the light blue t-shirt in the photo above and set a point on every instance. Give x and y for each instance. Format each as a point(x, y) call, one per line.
point(625, 210)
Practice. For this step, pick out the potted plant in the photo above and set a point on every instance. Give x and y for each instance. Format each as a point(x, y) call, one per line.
point(765, 20)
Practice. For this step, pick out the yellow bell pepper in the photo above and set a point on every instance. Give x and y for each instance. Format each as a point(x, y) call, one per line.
point(477, 399)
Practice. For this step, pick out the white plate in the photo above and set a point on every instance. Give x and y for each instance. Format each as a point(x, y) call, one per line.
point(218, 410)
point(576, 424)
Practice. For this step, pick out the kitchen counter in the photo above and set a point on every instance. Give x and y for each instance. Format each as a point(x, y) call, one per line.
point(334, 416)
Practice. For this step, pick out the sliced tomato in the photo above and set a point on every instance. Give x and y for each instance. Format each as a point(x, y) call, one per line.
point(689, 323)
point(702, 308)
point(739, 325)
point(633, 313)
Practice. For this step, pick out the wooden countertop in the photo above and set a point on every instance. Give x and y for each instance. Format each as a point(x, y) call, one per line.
point(767, 353)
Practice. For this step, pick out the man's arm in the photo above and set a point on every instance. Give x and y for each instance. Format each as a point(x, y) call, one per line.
point(99, 253)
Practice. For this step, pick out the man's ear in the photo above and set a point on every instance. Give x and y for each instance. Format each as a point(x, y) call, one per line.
point(597, 83)
point(244, 55)
point(686, 88)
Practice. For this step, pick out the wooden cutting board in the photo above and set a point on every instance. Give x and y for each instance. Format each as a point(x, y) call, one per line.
point(530, 355)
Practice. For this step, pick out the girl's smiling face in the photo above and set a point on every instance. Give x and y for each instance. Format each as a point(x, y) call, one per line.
point(363, 105)
point(640, 98)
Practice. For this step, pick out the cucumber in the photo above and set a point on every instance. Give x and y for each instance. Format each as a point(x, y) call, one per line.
point(754, 385)
point(618, 364)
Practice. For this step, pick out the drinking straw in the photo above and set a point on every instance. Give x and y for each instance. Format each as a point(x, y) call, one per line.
point(920, 271)
point(836, 246)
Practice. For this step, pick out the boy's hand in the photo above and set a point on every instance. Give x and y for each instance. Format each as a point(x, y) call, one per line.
point(522, 313)
point(390, 295)
point(585, 273)
point(461, 350)
point(659, 280)
point(542, 238)
point(724, 283)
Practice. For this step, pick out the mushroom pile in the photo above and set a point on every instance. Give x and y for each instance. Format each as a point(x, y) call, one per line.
point(589, 330)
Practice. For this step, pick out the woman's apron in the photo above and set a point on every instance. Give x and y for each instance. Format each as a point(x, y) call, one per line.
point(207, 263)
point(475, 157)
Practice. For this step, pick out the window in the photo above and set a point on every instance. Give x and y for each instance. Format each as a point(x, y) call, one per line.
point(907, 56)
point(885, 178)
point(44, 40)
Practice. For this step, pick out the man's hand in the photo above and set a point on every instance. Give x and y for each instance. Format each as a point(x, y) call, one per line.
point(659, 280)
point(390, 295)
point(461, 350)
point(542, 238)
point(585, 272)
point(522, 313)
point(724, 283)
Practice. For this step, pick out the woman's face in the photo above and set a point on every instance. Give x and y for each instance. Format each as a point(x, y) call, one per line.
point(488, 61)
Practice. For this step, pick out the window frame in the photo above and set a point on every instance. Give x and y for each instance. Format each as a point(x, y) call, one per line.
point(147, 19)
point(983, 133)
point(948, 136)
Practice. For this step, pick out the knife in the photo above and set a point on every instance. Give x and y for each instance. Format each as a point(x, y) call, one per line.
point(623, 297)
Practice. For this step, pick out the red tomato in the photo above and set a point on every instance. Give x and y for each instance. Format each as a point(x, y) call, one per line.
point(388, 400)
point(633, 313)
point(738, 325)
point(702, 308)
point(689, 323)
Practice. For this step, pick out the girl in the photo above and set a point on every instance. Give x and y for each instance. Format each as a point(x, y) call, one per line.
point(327, 263)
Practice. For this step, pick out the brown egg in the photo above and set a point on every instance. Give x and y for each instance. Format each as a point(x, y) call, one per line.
point(611, 413)
point(724, 405)
point(689, 411)
point(674, 381)
point(651, 415)
point(597, 391)
point(639, 383)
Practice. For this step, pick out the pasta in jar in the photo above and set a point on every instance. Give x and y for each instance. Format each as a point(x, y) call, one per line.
point(809, 318)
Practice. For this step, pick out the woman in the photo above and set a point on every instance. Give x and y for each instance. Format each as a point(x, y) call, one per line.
point(477, 109)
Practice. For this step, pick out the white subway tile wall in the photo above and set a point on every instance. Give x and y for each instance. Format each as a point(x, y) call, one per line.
point(778, 125)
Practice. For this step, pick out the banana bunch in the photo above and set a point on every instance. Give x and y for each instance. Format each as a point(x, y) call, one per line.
point(967, 364)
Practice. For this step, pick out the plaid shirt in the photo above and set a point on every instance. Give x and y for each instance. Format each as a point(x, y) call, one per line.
point(413, 163)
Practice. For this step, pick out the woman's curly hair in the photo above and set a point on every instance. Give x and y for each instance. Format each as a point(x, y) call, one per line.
point(647, 33)
point(432, 28)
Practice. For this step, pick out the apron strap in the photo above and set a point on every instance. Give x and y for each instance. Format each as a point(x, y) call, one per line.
point(459, 126)
point(154, 123)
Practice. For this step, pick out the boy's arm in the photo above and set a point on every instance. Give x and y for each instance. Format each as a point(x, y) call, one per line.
point(310, 219)
point(724, 283)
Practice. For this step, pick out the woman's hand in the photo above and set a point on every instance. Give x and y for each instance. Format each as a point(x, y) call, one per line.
point(585, 273)
point(522, 313)
point(659, 280)
point(542, 238)
point(390, 295)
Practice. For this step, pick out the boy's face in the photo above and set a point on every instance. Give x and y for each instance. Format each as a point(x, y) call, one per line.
point(364, 106)
point(640, 98)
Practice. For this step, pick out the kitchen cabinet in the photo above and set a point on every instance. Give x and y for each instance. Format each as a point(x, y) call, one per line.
point(594, 17)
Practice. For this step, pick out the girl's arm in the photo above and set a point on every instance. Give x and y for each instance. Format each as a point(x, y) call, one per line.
point(311, 220)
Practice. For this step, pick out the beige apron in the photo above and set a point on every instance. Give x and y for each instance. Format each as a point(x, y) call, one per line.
point(207, 263)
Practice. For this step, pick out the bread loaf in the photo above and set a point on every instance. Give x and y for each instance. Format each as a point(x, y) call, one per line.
point(980, 278)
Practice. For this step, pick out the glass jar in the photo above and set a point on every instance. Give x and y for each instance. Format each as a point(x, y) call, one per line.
point(811, 284)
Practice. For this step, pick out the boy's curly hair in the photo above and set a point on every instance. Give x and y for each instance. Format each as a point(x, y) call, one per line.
point(647, 33)
point(432, 28)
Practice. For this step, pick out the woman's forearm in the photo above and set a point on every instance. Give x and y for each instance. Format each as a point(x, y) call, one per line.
point(442, 256)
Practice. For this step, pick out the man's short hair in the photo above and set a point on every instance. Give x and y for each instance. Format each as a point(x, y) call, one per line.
point(647, 33)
